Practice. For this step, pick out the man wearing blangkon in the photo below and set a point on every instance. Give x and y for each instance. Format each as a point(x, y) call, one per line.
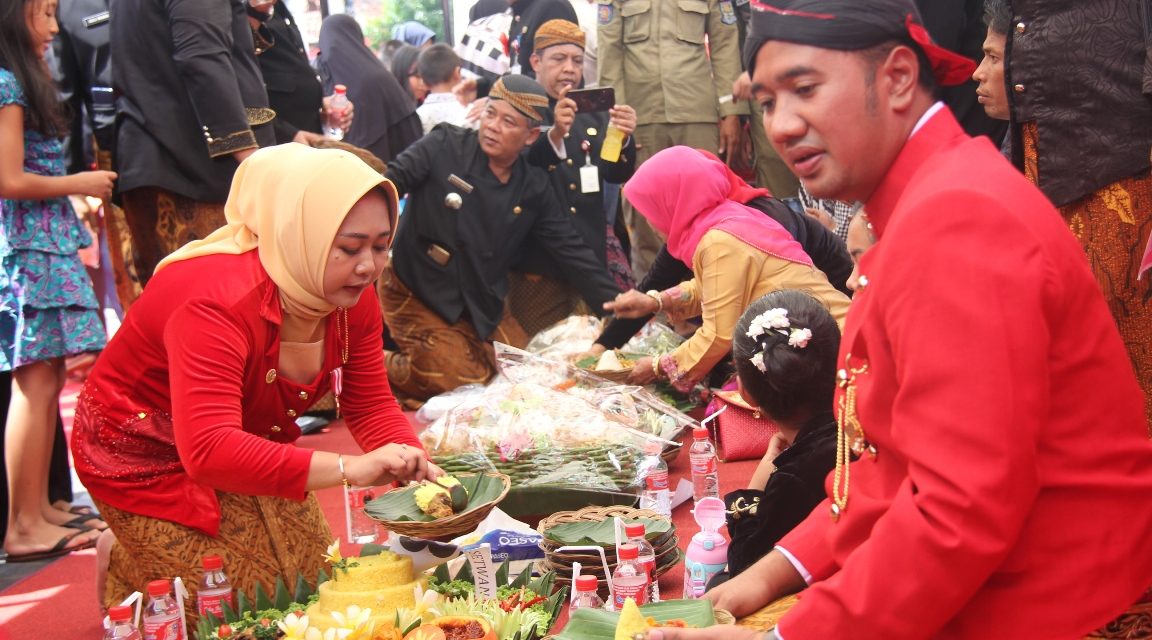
point(995, 420)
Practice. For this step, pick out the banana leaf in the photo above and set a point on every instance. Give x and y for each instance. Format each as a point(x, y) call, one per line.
point(263, 601)
point(597, 624)
point(602, 532)
point(400, 505)
point(538, 500)
point(283, 598)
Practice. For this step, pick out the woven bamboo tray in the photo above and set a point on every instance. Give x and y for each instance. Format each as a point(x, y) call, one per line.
point(450, 527)
point(667, 554)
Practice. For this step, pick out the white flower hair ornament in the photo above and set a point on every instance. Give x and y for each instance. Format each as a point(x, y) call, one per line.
point(776, 320)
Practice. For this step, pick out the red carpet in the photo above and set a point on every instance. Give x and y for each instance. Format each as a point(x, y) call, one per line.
point(60, 600)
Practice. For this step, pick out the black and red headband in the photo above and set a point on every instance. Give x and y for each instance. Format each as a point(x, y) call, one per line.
point(851, 25)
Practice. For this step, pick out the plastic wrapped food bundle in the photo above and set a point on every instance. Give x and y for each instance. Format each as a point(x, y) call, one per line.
point(537, 435)
point(631, 406)
point(567, 338)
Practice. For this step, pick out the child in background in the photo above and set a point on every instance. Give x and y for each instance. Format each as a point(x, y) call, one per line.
point(48, 310)
point(784, 349)
point(439, 68)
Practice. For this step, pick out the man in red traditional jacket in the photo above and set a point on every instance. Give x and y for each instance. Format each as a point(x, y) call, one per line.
point(1001, 475)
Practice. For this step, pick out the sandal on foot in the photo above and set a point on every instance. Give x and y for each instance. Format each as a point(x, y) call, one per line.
point(79, 522)
point(60, 549)
point(83, 510)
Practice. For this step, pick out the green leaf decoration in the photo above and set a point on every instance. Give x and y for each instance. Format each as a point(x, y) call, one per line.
point(522, 579)
point(502, 573)
point(399, 505)
point(602, 532)
point(321, 578)
point(441, 573)
point(372, 549)
point(230, 614)
point(415, 623)
point(465, 572)
point(283, 598)
point(263, 601)
point(597, 624)
point(303, 589)
point(242, 604)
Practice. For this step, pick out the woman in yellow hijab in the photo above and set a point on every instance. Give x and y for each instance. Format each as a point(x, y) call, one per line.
point(184, 431)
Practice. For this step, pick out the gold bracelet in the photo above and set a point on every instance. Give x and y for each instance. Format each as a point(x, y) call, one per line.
point(340, 462)
point(656, 366)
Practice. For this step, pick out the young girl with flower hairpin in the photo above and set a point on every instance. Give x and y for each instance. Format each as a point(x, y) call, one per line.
point(784, 349)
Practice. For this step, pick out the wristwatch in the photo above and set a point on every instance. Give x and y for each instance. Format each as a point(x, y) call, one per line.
point(655, 295)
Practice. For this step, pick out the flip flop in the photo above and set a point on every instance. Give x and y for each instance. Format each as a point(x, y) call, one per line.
point(78, 522)
point(60, 549)
point(83, 510)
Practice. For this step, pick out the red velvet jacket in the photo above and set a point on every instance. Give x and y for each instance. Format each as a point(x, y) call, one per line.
point(184, 402)
point(1011, 496)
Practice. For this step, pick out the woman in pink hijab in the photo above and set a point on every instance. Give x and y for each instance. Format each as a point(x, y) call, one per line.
point(737, 255)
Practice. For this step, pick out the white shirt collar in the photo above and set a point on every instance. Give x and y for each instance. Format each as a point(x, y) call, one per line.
point(926, 117)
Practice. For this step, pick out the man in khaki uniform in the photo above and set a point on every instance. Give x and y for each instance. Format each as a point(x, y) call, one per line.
point(653, 53)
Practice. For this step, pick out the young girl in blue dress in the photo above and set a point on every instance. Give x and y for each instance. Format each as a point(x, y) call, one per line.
point(48, 310)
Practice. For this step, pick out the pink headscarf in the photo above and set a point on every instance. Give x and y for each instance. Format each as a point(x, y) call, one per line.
point(684, 194)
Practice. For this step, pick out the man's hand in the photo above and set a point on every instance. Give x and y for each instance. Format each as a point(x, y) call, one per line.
point(632, 304)
point(465, 91)
point(623, 118)
point(307, 137)
point(742, 87)
point(344, 118)
point(563, 116)
point(771, 578)
point(730, 137)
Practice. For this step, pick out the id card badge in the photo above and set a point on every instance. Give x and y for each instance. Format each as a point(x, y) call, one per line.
point(589, 179)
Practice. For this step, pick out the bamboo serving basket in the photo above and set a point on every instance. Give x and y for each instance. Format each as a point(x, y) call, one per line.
point(451, 526)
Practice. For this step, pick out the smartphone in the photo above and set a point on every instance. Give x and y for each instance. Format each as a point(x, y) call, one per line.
point(592, 100)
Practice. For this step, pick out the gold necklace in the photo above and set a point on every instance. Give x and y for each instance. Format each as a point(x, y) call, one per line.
point(850, 437)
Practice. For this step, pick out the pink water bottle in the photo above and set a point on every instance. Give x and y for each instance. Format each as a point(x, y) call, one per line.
point(646, 557)
point(707, 554)
point(629, 580)
point(121, 627)
point(214, 589)
point(162, 614)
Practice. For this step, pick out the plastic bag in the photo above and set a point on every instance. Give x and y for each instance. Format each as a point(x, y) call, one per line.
point(631, 406)
point(567, 338)
point(443, 403)
point(655, 337)
point(537, 435)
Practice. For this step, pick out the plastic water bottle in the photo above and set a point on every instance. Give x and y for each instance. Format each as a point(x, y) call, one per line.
point(363, 527)
point(214, 589)
point(655, 494)
point(336, 108)
point(629, 580)
point(162, 614)
point(121, 627)
point(646, 557)
point(707, 553)
point(586, 593)
point(702, 458)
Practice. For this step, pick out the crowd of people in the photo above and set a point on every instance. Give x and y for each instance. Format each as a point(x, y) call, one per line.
point(910, 233)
